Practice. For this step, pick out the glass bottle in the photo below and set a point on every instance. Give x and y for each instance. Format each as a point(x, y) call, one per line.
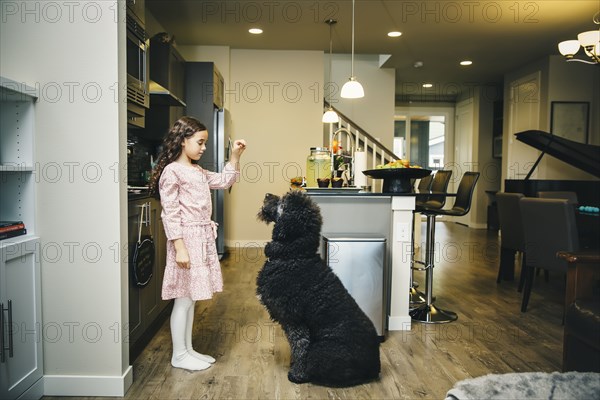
point(318, 165)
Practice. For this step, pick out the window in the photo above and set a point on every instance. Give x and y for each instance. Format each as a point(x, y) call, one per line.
point(422, 138)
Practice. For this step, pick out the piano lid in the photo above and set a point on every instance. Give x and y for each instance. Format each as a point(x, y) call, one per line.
point(583, 156)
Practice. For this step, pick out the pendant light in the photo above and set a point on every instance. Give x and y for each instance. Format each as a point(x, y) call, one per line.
point(352, 89)
point(330, 116)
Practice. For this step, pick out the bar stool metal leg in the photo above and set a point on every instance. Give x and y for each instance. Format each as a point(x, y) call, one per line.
point(415, 297)
point(428, 313)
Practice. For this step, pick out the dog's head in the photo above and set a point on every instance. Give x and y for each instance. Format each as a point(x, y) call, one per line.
point(270, 210)
point(294, 215)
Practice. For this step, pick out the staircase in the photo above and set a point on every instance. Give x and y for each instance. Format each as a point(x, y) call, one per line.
point(377, 153)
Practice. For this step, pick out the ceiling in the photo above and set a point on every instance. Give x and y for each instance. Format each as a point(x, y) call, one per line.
point(498, 36)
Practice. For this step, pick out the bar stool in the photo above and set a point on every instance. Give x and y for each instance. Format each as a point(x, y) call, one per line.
point(428, 313)
point(437, 183)
point(424, 186)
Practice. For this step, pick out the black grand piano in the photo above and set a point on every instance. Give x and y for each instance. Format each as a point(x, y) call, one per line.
point(583, 156)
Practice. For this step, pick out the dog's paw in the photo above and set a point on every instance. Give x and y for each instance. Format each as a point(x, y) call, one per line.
point(297, 377)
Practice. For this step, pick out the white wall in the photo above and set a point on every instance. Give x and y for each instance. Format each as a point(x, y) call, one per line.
point(74, 54)
point(280, 126)
point(274, 102)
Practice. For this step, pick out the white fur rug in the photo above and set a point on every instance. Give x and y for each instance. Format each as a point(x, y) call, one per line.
point(529, 385)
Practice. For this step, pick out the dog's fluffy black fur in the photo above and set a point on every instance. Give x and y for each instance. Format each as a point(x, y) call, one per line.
point(332, 341)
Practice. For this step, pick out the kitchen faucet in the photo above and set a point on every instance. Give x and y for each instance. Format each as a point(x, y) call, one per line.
point(351, 165)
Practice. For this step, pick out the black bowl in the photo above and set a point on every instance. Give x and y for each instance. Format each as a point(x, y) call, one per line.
point(397, 180)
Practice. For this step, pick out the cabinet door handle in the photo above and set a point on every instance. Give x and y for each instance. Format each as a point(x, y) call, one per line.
point(10, 330)
point(10, 333)
point(2, 355)
point(148, 214)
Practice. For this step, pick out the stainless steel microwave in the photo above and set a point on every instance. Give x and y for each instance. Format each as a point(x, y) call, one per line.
point(138, 94)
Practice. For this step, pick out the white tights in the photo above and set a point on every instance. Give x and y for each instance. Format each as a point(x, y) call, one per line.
point(182, 324)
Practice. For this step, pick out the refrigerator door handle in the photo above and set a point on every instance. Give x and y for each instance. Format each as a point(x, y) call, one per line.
point(229, 146)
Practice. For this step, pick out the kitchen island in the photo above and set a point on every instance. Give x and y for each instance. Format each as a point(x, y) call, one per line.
point(386, 215)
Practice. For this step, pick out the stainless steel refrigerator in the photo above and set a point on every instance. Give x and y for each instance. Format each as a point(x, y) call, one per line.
point(204, 98)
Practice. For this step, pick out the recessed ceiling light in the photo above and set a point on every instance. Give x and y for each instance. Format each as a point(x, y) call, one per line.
point(427, 85)
point(255, 31)
point(466, 62)
point(394, 34)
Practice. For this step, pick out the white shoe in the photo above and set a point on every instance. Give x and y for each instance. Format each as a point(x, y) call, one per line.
point(189, 362)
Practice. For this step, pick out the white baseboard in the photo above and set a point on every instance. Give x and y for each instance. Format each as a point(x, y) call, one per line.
point(86, 385)
point(402, 323)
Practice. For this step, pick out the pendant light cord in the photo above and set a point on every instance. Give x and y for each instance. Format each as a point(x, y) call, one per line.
point(330, 50)
point(352, 61)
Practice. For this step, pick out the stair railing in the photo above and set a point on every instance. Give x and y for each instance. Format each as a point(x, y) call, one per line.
point(377, 153)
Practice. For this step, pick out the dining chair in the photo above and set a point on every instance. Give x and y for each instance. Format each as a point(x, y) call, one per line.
point(512, 237)
point(428, 313)
point(571, 196)
point(438, 182)
point(549, 227)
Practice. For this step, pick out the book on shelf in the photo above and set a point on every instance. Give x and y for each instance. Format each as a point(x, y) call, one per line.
point(9, 223)
point(11, 234)
point(6, 226)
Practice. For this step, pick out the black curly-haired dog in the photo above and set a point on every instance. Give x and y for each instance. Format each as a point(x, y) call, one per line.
point(332, 341)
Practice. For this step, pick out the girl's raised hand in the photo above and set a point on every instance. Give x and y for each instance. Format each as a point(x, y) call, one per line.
point(238, 147)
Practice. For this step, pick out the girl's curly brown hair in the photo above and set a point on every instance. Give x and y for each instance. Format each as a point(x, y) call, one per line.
point(182, 129)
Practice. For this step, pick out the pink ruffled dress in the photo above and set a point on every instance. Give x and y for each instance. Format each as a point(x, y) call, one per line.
point(186, 213)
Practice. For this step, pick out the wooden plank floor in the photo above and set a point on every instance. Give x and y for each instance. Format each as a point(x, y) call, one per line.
point(490, 336)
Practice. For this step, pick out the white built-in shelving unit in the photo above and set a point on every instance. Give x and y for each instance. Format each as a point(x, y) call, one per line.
point(21, 356)
point(17, 163)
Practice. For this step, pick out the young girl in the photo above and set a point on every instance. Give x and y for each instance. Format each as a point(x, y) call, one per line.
point(192, 271)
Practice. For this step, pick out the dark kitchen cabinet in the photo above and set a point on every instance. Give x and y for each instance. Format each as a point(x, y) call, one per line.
point(138, 9)
point(146, 308)
point(167, 72)
point(159, 120)
point(167, 89)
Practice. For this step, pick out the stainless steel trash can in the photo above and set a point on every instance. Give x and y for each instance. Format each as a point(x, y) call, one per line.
point(359, 260)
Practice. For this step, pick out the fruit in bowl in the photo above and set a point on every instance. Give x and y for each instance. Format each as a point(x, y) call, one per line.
point(397, 164)
point(297, 181)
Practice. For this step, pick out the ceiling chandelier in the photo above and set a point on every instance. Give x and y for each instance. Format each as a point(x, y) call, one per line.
point(590, 41)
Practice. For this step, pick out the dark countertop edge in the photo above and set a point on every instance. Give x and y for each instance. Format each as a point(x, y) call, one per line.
point(371, 194)
point(356, 194)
